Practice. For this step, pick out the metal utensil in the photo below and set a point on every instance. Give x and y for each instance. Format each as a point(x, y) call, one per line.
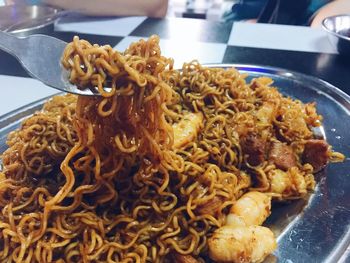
point(40, 56)
point(28, 19)
point(338, 29)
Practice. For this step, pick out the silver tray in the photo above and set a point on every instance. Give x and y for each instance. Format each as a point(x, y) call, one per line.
point(316, 229)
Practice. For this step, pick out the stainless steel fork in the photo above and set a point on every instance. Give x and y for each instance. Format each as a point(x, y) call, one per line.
point(40, 56)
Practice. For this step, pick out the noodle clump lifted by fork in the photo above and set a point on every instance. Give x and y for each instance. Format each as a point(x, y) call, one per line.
point(149, 169)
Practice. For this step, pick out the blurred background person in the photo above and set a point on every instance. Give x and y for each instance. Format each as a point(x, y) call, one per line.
point(290, 12)
point(333, 8)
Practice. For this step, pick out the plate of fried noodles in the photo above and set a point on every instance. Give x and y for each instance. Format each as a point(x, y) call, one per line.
point(207, 163)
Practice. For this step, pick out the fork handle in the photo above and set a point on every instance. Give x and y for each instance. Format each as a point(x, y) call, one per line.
point(11, 44)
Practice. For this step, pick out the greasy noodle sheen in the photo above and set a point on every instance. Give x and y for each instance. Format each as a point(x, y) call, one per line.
point(114, 178)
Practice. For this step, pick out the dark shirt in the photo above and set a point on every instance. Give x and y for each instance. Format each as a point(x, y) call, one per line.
point(291, 12)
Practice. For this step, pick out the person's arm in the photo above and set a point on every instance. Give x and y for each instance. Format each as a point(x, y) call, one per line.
point(151, 8)
point(337, 7)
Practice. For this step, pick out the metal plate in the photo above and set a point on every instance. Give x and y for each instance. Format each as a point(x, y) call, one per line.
point(24, 19)
point(316, 229)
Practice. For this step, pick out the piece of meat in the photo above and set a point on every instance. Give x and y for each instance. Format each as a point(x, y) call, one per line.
point(282, 156)
point(178, 258)
point(316, 154)
point(254, 147)
point(187, 129)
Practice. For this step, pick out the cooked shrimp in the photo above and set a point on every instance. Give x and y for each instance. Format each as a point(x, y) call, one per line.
point(187, 129)
point(279, 181)
point(241, 244)
point(285, 183)
point(242, 239)
point(253, 207)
